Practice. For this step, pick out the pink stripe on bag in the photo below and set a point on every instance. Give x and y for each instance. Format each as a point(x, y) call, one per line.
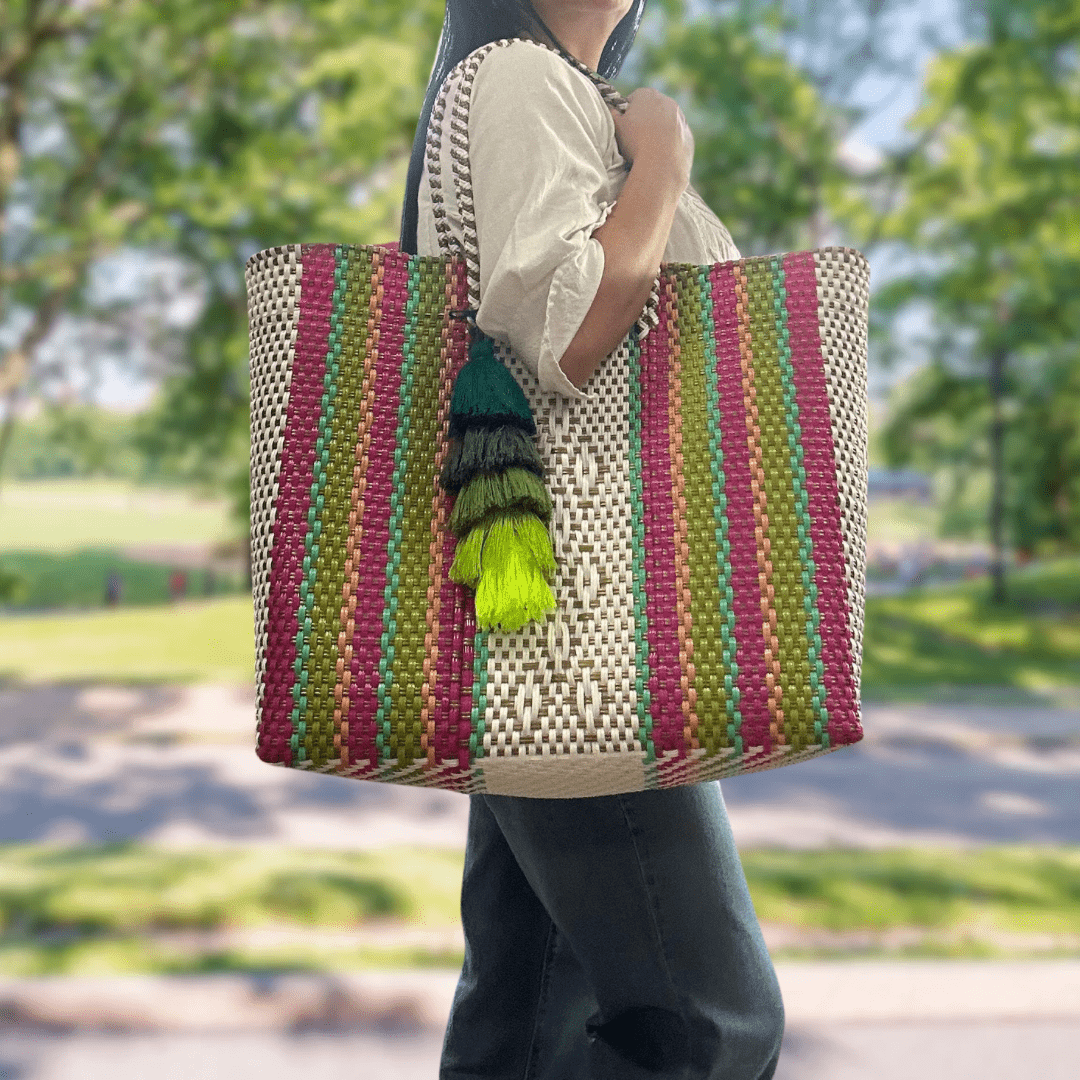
point(447, 706)
point(658, 514)
point(294, 499)
point(379, 452)
point(754, 694)
point(820, 463)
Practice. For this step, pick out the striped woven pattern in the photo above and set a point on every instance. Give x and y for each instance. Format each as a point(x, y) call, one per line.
point(708, 524)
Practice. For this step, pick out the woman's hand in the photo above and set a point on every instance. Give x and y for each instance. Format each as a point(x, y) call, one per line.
point(654, 125)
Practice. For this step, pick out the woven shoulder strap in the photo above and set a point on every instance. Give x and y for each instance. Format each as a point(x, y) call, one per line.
point(459, 153)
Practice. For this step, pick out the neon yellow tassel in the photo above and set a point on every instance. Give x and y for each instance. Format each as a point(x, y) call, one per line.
point(531, 532)
point(465, 569)
point(512, 590)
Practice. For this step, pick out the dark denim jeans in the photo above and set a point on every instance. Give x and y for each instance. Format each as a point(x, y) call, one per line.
point(610, 937)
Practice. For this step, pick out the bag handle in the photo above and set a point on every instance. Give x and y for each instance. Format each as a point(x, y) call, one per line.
point(459, 155)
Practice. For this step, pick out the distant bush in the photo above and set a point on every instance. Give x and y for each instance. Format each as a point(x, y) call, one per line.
point(47, 580)
point(11, 586)
point(77, 441)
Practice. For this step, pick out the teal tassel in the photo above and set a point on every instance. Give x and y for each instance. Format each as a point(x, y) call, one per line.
point(487, 395)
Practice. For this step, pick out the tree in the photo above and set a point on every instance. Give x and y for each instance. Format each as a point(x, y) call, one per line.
point(199, 131)
point(767, 130)
point(990, 205)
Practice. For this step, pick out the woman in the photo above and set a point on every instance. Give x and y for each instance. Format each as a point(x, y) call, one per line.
point(611, 936)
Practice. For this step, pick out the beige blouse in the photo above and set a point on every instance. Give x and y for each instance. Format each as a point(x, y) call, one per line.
point(546, 171)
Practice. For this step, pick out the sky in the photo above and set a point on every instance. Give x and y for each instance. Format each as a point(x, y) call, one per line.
point(890, 102)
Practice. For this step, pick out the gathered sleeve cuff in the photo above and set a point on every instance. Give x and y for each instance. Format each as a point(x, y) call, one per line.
point(573, 288)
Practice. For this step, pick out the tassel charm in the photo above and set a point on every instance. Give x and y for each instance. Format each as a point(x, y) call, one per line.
point(502, 507)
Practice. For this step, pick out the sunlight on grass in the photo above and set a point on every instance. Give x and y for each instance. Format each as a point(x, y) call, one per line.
point(208, 641)
point(124, 888)
point(954, 636)
point(131, 908)
point(66, 515)
point(1015, 889)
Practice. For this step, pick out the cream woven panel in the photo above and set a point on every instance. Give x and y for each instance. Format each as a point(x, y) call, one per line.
point(587, 644)
point(572, 668)
point(273, 285)
point(842, 313)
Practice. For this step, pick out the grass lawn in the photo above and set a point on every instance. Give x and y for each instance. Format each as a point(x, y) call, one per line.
point(938, 640)
point(191, 641)
point(66, 515)
point(128, 908)
point(931, 643)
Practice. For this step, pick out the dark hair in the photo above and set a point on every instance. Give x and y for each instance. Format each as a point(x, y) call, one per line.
point(468, 25)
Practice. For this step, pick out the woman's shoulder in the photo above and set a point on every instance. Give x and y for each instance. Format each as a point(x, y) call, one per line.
point(533, 76)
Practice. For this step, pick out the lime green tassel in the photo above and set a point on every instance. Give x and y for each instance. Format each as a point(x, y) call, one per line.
point(512, 589)
point(512, 489)
point(486, 394)
point(465, 569)
point(483, 451)
point(469, 564)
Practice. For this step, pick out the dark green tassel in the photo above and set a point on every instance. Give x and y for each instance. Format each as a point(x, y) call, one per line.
point(512, 489)
point(482, 451)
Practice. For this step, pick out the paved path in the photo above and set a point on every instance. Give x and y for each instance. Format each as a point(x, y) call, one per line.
point(965, 1050)
point(961, 1021)
point(176, 766)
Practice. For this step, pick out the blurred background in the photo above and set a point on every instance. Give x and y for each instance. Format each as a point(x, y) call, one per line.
point(169, 902)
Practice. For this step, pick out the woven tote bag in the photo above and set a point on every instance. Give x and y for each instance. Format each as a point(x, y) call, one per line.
point(708, 523)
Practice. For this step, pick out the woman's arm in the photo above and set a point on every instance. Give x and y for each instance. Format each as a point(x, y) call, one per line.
point(633, 238)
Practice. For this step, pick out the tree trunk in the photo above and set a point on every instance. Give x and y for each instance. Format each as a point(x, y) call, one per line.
point(7, 429)
point(997, 468)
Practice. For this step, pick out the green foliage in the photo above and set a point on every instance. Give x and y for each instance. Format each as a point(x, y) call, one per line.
point(78, 579)
point(1044, 458)
point(991, 205)
point(132, 908)
point(327, 112)
point(79, 441)
point(201, 131)
point(765, 137)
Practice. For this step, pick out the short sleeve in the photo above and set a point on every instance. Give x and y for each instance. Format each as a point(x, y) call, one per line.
point(714, 236)
point(539, 184)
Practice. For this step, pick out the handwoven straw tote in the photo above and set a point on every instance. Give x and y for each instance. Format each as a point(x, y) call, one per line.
point(707, 519)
